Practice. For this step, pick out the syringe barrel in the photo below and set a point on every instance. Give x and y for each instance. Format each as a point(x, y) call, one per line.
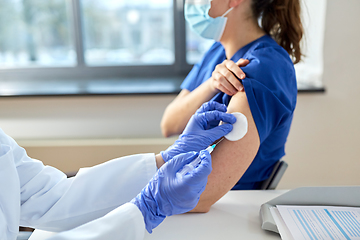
point(189, 167)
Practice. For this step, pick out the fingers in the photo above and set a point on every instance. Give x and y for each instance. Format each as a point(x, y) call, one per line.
point(235, 69)
point(223, 84)
point(242, 62)
point(179, 161)
point(220, 131)
point(212, 105)
point(227, 74)
point(219, 116)
point(203, 170)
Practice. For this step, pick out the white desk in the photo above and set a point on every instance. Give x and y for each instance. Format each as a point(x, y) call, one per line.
point(235, 216)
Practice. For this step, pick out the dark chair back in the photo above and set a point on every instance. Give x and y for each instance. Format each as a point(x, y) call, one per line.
point(274, 179)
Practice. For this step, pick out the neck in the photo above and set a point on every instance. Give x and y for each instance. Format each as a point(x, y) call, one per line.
point(238, 35)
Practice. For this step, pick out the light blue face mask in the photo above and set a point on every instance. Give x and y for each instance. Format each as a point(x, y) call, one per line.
point(197, 15)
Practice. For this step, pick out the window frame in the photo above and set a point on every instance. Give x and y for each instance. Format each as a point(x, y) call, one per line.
point(83, 71)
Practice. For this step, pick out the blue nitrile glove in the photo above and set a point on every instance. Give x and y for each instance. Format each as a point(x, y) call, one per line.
point(200, 132)
point(167, 194)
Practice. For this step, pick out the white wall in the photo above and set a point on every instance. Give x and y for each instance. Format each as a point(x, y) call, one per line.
point(82, 117)
point(322, 147)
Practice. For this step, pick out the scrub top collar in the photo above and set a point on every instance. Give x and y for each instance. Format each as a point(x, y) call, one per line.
point(241, 52)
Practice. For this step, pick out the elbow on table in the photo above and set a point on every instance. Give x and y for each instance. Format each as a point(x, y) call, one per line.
point(168, 129)
point(201, 208)
point(165, 129)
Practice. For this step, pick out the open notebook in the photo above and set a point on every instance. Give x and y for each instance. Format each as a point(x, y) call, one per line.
point(310, 196)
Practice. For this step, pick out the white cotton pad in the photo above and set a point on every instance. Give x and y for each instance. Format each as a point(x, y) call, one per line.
point(240, 127)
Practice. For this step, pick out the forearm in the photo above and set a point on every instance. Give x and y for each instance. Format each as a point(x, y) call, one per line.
point(229, 165)
point(178, 113)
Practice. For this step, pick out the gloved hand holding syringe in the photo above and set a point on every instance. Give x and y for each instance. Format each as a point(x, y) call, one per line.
point(189, 167)
point(239, 131)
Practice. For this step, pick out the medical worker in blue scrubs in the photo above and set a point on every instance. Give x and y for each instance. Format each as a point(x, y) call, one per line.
point(250, 68)
point(118, 199)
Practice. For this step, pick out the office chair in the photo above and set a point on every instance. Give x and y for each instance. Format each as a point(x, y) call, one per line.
point(275, 176)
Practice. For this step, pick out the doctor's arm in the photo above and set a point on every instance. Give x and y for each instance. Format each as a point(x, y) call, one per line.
point(179, 111)
point(166, 194)
point(38, 196)
point(230, 159)
point(50, 201)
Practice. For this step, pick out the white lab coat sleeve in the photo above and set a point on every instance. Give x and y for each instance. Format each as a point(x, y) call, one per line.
point(42, 197)
point(125, 222)
point(55, 203)
point(9, 195)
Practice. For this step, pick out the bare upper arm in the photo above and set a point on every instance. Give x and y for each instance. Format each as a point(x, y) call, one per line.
point(230, 160)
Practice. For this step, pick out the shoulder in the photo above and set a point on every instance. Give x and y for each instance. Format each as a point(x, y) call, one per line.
point(271, 68)
point(270, 58)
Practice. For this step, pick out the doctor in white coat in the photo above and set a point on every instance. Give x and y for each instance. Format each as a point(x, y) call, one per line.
point(114, 200)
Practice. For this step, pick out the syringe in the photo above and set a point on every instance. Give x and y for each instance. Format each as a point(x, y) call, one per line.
point(189, 167)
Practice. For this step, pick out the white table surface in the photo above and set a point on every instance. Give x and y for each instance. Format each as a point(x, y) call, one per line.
point(234, 216)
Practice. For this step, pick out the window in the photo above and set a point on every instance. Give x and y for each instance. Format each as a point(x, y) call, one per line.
point(128, 32)
point(35, 33)
point(67, 40)
point(309, 71)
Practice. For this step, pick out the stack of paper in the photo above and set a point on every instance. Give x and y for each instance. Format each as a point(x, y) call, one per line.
point(317, 222)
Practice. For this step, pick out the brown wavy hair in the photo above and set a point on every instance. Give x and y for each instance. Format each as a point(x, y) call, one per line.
point(281, 20)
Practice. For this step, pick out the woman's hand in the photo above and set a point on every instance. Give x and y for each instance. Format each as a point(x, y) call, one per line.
point(225, 77)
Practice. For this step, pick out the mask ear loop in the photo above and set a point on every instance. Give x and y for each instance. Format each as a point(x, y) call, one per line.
point(227, 12)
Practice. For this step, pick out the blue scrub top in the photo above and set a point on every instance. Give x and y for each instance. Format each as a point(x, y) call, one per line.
point(271, 90)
